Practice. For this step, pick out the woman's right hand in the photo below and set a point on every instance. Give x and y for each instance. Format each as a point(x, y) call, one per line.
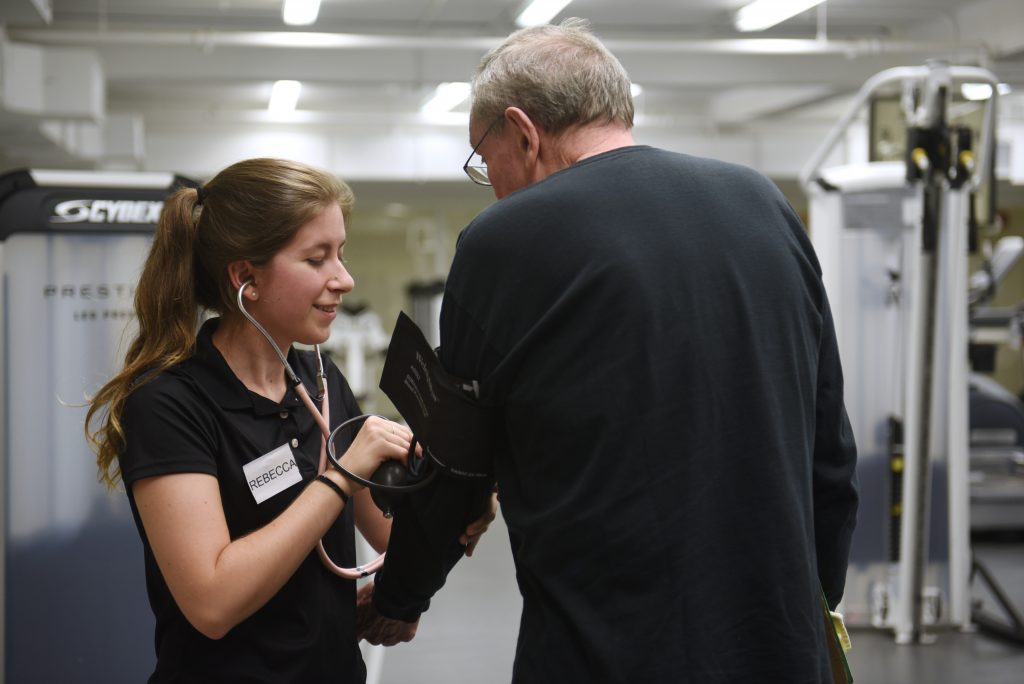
point(378, 440)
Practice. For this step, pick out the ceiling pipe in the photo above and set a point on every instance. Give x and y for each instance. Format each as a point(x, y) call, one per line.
point(341, 41)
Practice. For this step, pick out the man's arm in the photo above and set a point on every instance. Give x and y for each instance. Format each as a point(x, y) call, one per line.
point(424, 544)
point(834, 469)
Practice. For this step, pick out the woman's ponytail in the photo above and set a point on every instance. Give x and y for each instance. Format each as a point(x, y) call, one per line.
point(167, 315)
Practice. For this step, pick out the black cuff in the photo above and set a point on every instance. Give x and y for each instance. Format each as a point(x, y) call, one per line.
point(393, 608)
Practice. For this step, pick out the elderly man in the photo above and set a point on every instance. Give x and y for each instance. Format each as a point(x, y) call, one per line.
point(677, 468)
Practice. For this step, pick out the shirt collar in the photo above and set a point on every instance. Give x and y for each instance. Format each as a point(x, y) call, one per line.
point(209, 368)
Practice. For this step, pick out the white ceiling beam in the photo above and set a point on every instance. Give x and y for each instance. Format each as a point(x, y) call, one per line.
point(997, 24)
point(210, 39)
point(57, 82)
point(708, 72)
point(124, 64)
point(137, 57)
point(746, 104)
point(26, 11)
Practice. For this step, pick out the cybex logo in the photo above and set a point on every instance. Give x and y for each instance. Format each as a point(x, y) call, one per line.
point(106, 211)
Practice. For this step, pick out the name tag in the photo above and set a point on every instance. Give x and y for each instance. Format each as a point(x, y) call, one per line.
point(272, 473)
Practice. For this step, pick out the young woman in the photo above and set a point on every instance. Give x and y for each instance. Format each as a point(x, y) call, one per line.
point(218, 454)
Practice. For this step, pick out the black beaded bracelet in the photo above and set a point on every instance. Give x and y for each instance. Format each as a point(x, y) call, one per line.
point(337, 490)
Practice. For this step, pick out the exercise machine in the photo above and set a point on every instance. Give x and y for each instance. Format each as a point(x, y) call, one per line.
point(893, 240)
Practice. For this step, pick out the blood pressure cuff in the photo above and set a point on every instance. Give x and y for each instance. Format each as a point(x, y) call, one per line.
point(455, 430)
point(424, 545)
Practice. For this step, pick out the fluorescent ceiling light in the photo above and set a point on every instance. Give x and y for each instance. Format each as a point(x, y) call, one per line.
point(446, 97)
point(540, 12)
point(982, 91)
point(635, 89)
point(284, 96)
point(300, 12)
point(762, 14)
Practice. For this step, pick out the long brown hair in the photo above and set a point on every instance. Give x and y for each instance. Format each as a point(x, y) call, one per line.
point(248, 211)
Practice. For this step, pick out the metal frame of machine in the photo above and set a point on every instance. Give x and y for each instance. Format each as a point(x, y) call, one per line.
point(892, 239)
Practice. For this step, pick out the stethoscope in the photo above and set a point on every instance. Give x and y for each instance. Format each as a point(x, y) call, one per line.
point(390, 479)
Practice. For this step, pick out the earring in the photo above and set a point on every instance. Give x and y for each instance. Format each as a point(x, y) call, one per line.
point(252, 294)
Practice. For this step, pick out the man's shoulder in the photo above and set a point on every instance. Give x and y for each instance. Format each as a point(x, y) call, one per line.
point(709, 165)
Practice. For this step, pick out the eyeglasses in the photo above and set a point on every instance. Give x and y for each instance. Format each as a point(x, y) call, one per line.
point(478, 172)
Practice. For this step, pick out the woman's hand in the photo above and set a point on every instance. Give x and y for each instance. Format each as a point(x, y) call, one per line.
point(476, 529)
point(378, 440)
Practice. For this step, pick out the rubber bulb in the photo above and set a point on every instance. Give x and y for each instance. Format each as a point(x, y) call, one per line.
point(391, 473)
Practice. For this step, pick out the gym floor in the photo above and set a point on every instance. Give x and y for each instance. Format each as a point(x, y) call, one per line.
point(955, 657)
point(468, 636)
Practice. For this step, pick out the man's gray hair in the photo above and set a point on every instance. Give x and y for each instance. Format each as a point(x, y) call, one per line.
point(559, 75)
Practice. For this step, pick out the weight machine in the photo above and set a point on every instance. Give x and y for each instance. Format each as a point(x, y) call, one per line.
point(893, 240)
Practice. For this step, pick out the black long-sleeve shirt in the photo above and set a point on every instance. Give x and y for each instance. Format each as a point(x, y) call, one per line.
point(677, 468)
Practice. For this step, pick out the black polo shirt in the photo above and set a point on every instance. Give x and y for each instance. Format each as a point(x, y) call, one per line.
point(198, 417)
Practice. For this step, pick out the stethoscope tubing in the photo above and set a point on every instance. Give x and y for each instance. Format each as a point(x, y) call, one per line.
point(323, 422)
point(359, 571)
